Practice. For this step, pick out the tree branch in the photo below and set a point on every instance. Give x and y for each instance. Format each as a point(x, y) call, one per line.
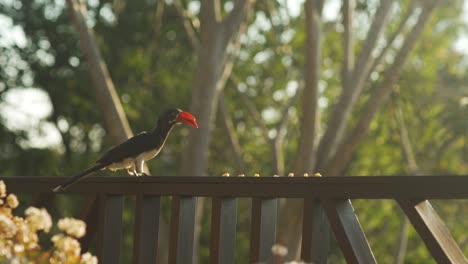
point(230, 131)
point(192, 35)
point(236, 16)
point(407, 148)
point(276, 143)
point(210, 11)
point(347, 101)
point(284, 113)
point(281, 131)
point(255, 115)
point(413, 169)
point(348, 42)
point(115, 121)
point(392, 37)
point(158, 16)
point(444, 146)
point(345, 151)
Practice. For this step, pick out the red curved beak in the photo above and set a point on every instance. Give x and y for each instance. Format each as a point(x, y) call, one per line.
point(187, 118)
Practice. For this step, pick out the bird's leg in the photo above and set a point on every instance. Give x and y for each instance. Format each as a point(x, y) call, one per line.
point(139, 168)
point(131, 170)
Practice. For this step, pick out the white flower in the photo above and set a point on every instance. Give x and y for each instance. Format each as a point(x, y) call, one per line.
point(87, 258)
point(38, 219)
point(279, 250)
point(73, 227)
point(67, 244)
point(2, 189)
point(12, 201)
point(18, 248)
point(7, 226)
point(25, 235)
point(5, 248)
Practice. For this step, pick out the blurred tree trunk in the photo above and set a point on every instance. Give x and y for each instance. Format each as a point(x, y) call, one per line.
point(309, 114)
point(214, 68)
point(290, 220)
point(336, 147)
point(115, 120)
point(413, 169)
point(215, 35)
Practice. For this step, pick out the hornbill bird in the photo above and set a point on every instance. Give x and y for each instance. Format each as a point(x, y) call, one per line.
point(133, 153)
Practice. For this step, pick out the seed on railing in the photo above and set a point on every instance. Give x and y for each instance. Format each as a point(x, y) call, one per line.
point(317, 174)
point(291, 174)
point(226, 174)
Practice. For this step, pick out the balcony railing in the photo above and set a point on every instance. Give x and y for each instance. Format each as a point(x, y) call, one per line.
point(328, 195)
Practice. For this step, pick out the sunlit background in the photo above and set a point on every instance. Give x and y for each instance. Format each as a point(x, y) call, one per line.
point(26, 108)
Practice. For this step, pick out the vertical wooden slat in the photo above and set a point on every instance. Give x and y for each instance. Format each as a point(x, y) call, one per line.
point(223, 230)
point(90, 215)
point(432, 230)
point(182, 230)
point(348, 231)
point(146, 229)
point(110, 228)
point(263, 229)
point(315, 240)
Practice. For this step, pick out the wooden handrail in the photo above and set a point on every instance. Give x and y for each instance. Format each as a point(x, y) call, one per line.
point(328, 197)
point(351, 187)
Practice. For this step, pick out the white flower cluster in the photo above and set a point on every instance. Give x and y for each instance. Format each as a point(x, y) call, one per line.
point(38, 219)
point(73, 227)
point(19, 239)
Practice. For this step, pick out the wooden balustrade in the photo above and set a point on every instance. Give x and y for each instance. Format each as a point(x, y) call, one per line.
point(326, 199)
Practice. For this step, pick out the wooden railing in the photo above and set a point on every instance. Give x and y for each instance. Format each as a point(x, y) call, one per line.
point(330, 195)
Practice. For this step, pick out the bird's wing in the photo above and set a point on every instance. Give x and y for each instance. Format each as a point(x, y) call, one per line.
point(130, 148)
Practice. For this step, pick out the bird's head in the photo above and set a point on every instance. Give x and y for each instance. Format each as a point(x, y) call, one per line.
point(176, 116)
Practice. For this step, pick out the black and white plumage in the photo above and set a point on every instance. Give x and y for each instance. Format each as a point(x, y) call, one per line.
point(133, 153)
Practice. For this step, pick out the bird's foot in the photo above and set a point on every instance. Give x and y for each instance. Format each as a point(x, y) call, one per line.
point(144, 174)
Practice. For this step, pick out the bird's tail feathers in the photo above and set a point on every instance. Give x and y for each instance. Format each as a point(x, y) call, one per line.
point(75, 178)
